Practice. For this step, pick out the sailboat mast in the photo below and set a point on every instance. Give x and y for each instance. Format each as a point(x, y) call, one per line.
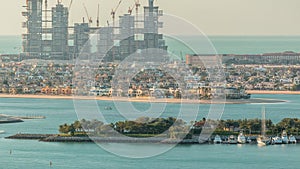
point(263, 122)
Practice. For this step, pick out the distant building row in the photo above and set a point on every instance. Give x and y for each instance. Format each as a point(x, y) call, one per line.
point(287, 57)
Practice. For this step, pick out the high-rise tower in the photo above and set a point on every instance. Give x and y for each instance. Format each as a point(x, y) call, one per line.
point(60, 33)
point(151, 25)
point(32, 40)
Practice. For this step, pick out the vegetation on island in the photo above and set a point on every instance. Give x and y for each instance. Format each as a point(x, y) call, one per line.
point(141, 127)
point(176, 128)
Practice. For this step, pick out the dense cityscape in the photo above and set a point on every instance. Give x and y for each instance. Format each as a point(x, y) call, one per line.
point(55, 78)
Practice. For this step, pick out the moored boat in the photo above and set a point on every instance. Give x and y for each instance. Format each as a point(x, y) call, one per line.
point(284, 137)
point(277, 140)
point(248, 140)
point(232, 139)
point(2, 131)
point(217, 139)
point(292, 139)
point(262, 140)
point(241, 138)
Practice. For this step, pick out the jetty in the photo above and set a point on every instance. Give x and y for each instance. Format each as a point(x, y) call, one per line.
point(30, 136)
point(31, 117)
point(58, 138)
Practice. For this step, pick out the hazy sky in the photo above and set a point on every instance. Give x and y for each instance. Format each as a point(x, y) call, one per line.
point(213, 17)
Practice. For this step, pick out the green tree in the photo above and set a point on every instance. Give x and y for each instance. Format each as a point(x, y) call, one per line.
point(77, 125)
point(64, 128)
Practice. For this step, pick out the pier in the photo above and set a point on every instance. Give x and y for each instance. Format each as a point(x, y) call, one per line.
point(30, 136)
point(31, 117)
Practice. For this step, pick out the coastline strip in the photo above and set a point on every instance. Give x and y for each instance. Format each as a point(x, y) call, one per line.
point(272, 92)
point(144, 99)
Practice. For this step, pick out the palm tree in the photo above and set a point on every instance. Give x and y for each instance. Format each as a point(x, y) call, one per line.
point(77, 125)
point(64, 128)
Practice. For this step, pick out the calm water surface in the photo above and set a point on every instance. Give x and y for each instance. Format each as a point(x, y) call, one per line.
point(34, 154)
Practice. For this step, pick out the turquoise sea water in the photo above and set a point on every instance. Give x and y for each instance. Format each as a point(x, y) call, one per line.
point(34, 154)
point(234, 44)
point(223, 44)
point(10, 44)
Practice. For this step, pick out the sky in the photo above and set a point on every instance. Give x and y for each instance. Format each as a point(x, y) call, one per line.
point(213, 17)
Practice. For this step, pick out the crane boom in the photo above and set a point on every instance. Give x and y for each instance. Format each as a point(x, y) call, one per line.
point(136, 5)
point(87, 14)
point(113, 12)
point(118, 5)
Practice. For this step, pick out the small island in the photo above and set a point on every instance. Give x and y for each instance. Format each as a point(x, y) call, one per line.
point(160, 130)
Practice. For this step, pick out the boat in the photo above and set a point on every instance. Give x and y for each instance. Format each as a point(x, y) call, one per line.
point(262, 140)
point(292, 139)
point(217, 139)
point(248, 140)
point(241, 138)
point(277, 140)
point(2, 131)
point(232, 139)
point(107, 108)
point(284, 137)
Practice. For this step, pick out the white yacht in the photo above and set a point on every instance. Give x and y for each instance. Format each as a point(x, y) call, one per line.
point(277, 140)
point(292, 139)
point(232, 139)
point(2, 131)
point(217, 139)
point(284, 137)
point(241, 138)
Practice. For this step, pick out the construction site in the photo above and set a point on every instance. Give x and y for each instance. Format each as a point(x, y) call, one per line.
point(49, 36)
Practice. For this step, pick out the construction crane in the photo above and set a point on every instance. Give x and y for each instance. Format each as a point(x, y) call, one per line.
point(87, 14)
point(113, 12)
point(98, 22)
point(136, 5)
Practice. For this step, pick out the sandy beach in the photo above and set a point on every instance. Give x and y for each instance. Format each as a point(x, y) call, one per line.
point(145, 99)
point(271, 92)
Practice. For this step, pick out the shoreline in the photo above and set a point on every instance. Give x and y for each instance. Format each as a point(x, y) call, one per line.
point(147, 99)
point(95, 139)
point(272, 92)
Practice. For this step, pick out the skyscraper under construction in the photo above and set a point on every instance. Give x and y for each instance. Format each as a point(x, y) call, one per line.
point(47, 33)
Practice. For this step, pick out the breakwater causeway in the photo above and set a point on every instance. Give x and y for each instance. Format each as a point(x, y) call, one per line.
point(57, 138)
point(86, 139)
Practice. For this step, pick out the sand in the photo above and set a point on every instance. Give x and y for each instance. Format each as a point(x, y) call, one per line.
point(145, 99)
point(272, 92)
